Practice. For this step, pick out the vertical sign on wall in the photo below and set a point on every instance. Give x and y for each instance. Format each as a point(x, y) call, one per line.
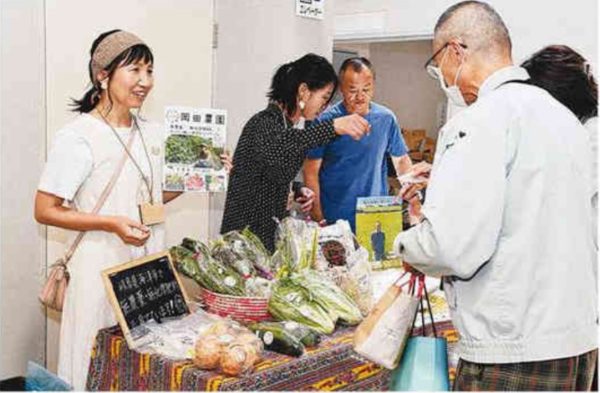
point(310, 8)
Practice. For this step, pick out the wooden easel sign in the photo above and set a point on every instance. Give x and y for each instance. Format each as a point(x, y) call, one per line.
point(142, 290)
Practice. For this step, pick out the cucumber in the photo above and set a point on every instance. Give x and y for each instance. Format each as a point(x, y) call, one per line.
point(277, 339)
point(306, 335)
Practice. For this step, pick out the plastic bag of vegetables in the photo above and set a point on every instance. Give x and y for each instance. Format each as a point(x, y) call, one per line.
point(356, 282)
point(305, 335)
point(329, 296)
point(258, 253)
point(277, 339)
point(211, 274)
point(296, 246)
point(292, 302)
point(336, 243)
point(228, 347)
point(258, 287)
point(185, 262)
point(247, 247)
point(226, 253)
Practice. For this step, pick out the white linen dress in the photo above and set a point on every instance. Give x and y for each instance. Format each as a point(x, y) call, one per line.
point(81, 162)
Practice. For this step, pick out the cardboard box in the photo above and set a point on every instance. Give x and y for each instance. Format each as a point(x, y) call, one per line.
point(413, 138)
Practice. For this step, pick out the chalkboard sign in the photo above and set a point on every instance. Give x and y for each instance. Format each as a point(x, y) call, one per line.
point(144, 289)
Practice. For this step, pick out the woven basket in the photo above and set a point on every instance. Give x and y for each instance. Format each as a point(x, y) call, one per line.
point(243, 309)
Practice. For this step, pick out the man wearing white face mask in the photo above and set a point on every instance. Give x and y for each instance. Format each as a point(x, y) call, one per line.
point(506, 217)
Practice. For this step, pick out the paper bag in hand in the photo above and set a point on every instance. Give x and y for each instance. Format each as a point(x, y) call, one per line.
point(382, 335)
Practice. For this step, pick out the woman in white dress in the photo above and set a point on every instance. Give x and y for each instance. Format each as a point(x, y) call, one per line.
point(83, 158)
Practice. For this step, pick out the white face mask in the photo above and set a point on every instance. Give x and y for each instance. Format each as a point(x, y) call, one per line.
point(452, 92)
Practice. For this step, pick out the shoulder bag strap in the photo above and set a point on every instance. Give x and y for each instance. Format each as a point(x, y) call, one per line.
point(102, 198)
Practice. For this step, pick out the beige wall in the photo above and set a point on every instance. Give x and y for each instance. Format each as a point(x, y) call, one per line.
point(255, 37)
point(181, 39)
point(22, 148)
point(533, 23)
point(404, 87)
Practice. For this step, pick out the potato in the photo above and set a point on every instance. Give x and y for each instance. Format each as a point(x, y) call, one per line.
point(234, 359)
point(208, 353)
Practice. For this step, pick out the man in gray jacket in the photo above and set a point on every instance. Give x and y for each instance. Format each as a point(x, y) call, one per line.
point(506, 218)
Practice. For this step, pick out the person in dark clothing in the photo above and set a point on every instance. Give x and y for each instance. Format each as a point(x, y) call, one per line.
point(378, 242)
point(274, 142)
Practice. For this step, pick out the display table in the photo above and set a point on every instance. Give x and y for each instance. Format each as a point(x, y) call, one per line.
point(333, 365)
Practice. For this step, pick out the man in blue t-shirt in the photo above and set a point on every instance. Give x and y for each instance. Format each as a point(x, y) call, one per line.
point(346, 169)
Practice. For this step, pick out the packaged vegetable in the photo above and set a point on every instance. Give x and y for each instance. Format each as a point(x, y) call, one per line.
point(296, 246)
point(208, 352)
point(329, 296)
point(336, 243)
point(228, 347)
point(226, 253)
point(258, 287)
point(307, 336)
point(175, 338)
point(247, 247)
point(277, 339)
point(208, 272)
point(290, 301)
point(356, 282)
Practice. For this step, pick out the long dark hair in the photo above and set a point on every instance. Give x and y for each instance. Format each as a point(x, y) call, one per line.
point(134, 54)
point(566, 75)
point(314, 70)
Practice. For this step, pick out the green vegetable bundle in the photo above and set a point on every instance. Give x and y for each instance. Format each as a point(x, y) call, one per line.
point(248, 247)
point(185, 262)
point(224, 252)
point(208, 272)
point(296, 246)
point(292, 302)
point(329, 296)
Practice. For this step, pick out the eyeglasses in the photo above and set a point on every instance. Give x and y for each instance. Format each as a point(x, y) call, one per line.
point(367, 92)
point(430, 67)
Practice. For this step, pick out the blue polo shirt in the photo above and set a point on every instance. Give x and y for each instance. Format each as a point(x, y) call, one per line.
point(353, 169)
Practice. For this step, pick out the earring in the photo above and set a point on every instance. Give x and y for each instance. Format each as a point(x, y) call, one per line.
point(104, 85)
point(301, 105)
point(96, 94)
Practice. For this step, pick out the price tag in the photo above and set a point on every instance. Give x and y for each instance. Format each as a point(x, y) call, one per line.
point(152, 214)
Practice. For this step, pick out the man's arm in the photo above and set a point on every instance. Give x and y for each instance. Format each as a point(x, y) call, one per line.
point(311, 179)
point(402, 164)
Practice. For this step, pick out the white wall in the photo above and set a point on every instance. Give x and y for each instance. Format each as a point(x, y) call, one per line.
point(255, 37)
point(181, 39)
point(22, 141)
point(533, 23)
point(402, 86)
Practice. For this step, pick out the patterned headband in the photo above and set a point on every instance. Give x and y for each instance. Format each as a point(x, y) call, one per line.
point(111, 47)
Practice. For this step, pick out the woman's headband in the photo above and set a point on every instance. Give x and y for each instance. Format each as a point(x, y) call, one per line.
point(111, 47)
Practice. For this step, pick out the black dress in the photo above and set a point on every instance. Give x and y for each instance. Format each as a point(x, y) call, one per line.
point(268, 156)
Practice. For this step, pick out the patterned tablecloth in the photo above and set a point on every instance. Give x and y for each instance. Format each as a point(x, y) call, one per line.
point(333, 365)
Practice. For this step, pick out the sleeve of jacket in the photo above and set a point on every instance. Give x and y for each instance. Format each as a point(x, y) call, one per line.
point(282, 150)
point(464, 207)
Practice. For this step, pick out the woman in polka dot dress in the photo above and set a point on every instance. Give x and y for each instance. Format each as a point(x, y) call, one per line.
point(274, 142)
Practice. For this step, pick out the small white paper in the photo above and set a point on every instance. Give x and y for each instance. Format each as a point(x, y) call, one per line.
point(314, 9)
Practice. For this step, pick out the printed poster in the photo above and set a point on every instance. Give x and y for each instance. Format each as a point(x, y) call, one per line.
point(378, 222)
point(195, 140)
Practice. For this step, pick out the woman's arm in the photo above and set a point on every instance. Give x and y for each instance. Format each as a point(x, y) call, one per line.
point(49, 210)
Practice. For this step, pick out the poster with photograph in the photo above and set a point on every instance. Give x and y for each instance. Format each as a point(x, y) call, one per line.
point(378, 222)
point(195, 141)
